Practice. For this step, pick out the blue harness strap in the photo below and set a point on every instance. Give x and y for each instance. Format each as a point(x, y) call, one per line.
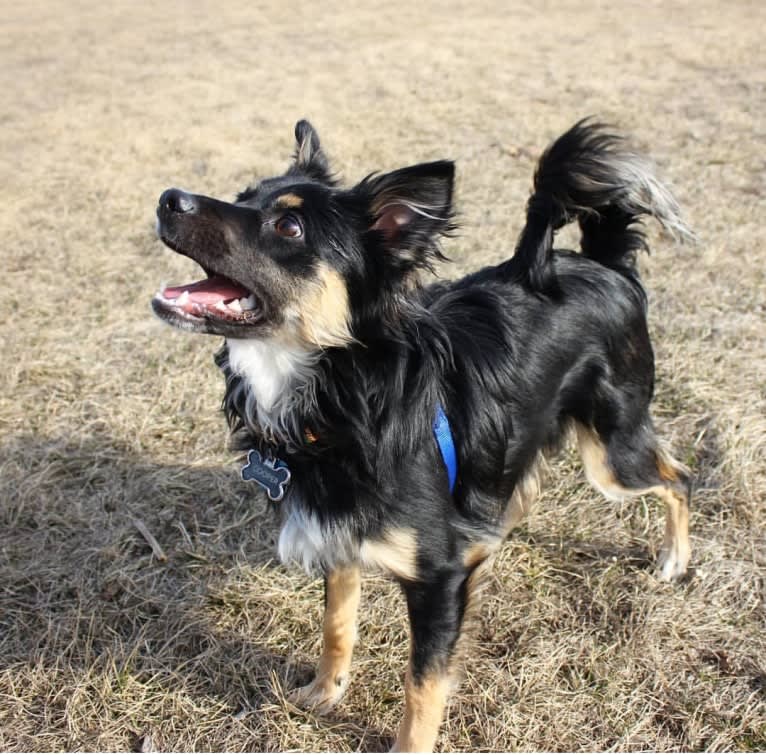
point(446, 444)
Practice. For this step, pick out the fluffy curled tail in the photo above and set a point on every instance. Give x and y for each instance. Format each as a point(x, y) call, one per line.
point(588, 174)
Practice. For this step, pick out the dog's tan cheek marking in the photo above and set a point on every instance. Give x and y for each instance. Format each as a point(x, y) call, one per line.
point(395, 552)
point(323, 313)
point(424, 703)
point(288, 201)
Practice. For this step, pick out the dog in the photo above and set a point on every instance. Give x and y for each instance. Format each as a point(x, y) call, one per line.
point(398, 425)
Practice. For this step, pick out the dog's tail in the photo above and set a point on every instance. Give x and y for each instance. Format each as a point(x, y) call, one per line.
point(588, 174)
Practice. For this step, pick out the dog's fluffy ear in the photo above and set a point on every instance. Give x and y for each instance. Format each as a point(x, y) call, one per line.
point(309, 158)
point(412, 207)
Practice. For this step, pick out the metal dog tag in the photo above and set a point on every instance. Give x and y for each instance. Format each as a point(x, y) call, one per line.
point(271, 474)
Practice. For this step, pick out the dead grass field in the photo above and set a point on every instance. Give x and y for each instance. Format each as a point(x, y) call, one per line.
point(107, 417)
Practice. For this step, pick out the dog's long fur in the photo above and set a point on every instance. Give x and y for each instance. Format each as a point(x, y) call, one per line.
point(338, 368)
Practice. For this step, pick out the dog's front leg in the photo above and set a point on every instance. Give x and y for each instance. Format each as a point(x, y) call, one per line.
point(436, 609)
point(342, 592)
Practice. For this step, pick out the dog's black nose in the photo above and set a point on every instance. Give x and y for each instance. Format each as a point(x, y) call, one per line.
point(175, 200)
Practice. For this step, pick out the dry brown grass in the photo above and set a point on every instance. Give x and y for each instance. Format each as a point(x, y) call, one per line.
point(107, 417)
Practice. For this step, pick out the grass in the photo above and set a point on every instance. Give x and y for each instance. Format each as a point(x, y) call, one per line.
point(107, 418)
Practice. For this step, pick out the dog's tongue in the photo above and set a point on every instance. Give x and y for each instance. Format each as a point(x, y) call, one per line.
point(209, 291)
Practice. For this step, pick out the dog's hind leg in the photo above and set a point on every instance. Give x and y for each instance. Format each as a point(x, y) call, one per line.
point(342, 593)
point(627, 463)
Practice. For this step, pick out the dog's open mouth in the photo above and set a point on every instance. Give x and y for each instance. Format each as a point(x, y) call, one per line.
point(216, 297)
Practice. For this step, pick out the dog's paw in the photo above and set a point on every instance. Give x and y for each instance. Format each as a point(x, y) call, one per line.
point(322, 694)
point(672, 562)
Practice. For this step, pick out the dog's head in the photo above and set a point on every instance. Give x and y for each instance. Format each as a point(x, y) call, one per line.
point(299, 258)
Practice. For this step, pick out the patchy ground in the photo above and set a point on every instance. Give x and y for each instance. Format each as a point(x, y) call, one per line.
point(108, 418)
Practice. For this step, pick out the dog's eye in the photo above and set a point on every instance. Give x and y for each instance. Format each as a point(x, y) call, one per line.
point(289, 226)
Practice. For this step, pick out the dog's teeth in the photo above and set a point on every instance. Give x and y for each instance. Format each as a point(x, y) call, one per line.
point(182, 299)
point(235, 305)
point(220, 306)
point(247, 303)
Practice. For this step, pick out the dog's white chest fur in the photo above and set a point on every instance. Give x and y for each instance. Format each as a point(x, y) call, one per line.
point(276, 377)
point(269, 367)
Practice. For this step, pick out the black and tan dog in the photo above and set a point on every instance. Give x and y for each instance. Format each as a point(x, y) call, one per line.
point(400, 425)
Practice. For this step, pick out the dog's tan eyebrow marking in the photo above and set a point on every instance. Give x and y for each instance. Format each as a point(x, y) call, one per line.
point(288, 201)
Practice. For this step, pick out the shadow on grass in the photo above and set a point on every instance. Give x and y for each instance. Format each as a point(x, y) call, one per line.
point(197, 611)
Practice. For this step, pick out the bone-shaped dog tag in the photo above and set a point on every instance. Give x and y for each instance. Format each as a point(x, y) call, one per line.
point(271, 474)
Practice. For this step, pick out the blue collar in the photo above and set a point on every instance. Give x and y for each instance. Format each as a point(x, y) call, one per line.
point(446, 444)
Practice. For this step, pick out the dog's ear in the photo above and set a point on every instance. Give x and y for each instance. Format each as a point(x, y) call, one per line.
point(309, 158)
point(412, 207)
